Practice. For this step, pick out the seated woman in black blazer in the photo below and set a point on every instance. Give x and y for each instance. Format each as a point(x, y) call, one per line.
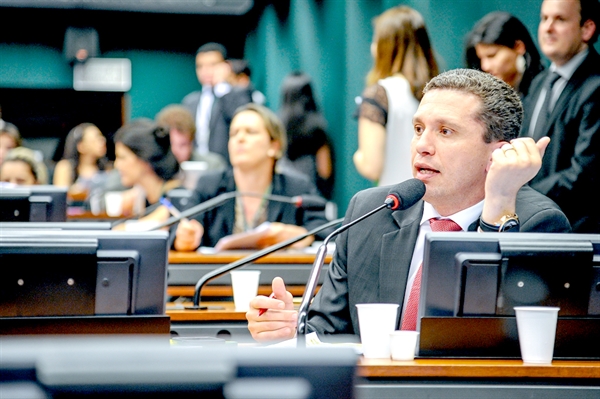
point(256, 141)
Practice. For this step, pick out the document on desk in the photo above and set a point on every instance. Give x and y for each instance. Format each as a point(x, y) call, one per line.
point(246, 240)
point(313, 341)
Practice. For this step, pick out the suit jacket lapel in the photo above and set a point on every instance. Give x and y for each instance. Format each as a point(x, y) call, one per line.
point(573, 84)
point(394, 265)
point(530, 102)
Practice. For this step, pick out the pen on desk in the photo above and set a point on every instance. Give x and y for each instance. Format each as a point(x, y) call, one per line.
point(262, 311)
point(172, 210)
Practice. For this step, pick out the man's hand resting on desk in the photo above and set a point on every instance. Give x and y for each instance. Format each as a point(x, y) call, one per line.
point(278, 322)
point(188, 235)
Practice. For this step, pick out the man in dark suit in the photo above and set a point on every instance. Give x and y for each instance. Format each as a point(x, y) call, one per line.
point(214, 105)
point(569, 175)
point(465, 151)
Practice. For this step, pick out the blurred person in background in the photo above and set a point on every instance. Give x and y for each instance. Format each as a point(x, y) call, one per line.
point(182, 132)
point(9, 138)
point(403, 64)
point(84, 159)
point(145, 162)
point(309, 150)
point(256, 141)
point(501, 45)
point(21, 167)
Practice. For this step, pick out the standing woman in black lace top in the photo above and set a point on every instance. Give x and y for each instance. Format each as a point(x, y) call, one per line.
point(403, 63)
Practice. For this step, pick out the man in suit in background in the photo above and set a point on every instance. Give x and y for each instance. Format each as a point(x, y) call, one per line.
point(466, 153)
point(214, 105)
point(564, 104)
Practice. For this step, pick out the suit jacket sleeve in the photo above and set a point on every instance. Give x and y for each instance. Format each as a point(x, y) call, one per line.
point(329, 312)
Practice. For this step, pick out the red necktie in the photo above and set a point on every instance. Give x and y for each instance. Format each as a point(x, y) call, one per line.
point(409, 321)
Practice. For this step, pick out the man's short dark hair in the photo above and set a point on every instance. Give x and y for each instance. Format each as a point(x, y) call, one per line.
point(501, 109)
point(590, 9)
point(240, 66)
point(205, 48)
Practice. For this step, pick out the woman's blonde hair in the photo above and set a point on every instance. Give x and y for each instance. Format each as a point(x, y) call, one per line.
point(28, 156)
point(403, 46)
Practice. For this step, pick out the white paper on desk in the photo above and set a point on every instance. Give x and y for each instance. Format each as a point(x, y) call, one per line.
point(245, 240)
point(312, 341)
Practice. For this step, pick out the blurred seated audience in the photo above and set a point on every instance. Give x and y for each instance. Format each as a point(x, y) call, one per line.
point(21, 167)
point(309, 150)
point(240, 77)
point(256, 141)
point(9, 138)
point(501, 45)
point(84, 161)
point(182, 131)
point(145, 163)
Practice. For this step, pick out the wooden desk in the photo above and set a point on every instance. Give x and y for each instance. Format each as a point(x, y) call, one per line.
point(75, 214)
point(477, 378)
point(220, 320)
point(226, 291)
point(223, 323)
point(186, 268)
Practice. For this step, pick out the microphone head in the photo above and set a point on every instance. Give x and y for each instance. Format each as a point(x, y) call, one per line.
point(310, 202)
point(405, 194)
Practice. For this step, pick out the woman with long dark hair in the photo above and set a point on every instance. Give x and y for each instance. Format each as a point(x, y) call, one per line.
point(84, 157)
point(501, 45)
point(309, 151)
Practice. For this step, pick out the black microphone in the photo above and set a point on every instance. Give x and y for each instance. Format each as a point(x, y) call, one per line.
point(197, 209)
point(400, 197)
point(251, 258)
point(307, 202)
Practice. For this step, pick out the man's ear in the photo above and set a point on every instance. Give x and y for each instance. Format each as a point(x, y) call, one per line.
point(494, 147)
point(587, 30)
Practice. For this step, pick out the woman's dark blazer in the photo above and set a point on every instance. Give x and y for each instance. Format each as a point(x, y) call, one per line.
point(219, 221)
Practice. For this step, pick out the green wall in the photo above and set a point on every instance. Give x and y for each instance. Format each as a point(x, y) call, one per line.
point(329, 39)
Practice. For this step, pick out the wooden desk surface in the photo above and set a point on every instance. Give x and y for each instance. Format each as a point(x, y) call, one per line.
point(475, 368)
point(284, 257)
point(228, 313)
point(212, 291)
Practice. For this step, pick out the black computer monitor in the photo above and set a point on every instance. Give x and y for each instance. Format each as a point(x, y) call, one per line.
point(43, 203)
point(82, 273)
point(472, 282)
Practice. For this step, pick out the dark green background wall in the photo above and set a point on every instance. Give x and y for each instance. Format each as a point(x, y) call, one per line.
point(329, 39)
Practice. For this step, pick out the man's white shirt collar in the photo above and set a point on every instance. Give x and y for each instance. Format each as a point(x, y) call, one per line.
point(463, 218)
point(567, 70)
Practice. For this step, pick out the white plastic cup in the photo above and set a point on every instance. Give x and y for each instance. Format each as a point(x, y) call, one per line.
point(536, 326)
point(403, 344)
point(113, 203)
point(376, 321)
point(245, 288)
